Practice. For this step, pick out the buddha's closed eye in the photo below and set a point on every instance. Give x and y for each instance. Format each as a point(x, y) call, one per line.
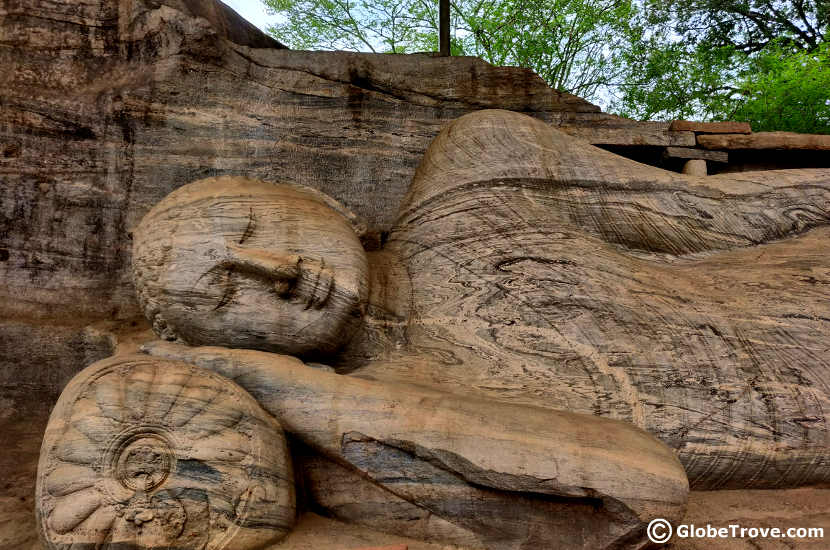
point(280, 270)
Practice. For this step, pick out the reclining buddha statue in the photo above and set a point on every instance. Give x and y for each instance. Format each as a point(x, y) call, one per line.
point(553, 343)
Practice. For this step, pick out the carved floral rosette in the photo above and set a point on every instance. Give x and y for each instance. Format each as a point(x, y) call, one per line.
point(147, 453)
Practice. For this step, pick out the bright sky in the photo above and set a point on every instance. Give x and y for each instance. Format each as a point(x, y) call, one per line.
point(253, 11)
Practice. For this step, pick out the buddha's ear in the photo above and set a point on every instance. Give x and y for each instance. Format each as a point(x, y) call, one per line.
point(359, 225)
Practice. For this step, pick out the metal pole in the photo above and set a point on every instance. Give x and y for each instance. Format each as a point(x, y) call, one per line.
point(444, 27)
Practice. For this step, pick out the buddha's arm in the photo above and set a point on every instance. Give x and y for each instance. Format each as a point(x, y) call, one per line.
point(485, 443)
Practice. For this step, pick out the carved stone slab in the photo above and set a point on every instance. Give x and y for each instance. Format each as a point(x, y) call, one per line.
point(692, 153)
point(147, 453)
point(645, 133)
point(765, 140)
point(711, 127)
point(605, 129)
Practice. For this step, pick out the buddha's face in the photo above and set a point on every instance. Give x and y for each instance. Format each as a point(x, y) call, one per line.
point(242, 263)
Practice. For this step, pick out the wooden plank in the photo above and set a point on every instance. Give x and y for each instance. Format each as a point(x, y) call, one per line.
point(726, 127)
point(692, 153)
point(766, 140)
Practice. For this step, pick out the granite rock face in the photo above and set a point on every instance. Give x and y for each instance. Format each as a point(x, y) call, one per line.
point(711, 127)
point(250, 264)
point(527, 271)
point(106, 106)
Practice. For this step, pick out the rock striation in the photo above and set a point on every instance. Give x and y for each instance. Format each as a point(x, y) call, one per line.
point(492, 475)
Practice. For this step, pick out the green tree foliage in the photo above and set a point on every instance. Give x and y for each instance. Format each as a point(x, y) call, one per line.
point(362, 25)
point(765, 62)
point(786, 90)
point(575, 45)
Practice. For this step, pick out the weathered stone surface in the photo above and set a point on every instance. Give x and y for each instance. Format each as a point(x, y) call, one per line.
point(144, 453)
point(226, 22)
point(223, 260)
point(652, 134)
point(108, 105)
point(782, 509)
point(505, 476)
point(344, 494)
point(508, 275)
point(565, 102)
point(727, 127)
point(145, 97)
point(765, 140)
point(692, 153)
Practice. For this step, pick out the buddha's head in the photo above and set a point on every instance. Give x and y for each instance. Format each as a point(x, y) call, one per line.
point(242, 263)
